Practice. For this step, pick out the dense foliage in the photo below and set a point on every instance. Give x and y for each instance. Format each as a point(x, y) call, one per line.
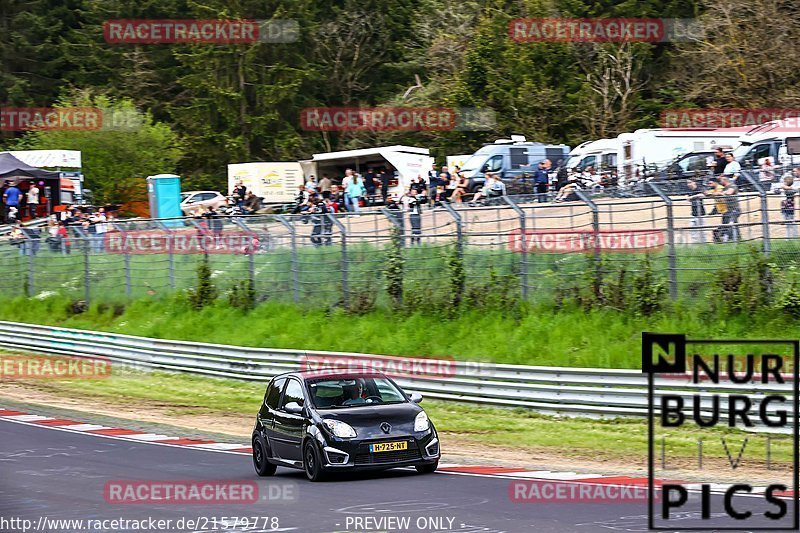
point(235, 103)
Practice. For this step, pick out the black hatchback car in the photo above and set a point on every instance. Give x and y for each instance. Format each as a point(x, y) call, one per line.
point(327, 422)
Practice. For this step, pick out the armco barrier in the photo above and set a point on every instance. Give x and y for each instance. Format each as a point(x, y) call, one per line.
point(555, 390)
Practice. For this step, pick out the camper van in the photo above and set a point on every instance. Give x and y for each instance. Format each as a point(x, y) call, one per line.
point(510, 158)
point(645, 151)
point(768, 140)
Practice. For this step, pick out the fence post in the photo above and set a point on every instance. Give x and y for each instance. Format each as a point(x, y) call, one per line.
point(398, 221)
point(673, 270)
point(596, 229)
point(171, 254)
point(251, 261)
point(31, 264)
point(765, 238)
point(293, 257)
point(345, 265)
point(459, 228)
point(523, 241)
point(86, 277)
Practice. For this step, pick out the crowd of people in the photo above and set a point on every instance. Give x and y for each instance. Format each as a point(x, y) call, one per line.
point(91, 224)
point(20, 199)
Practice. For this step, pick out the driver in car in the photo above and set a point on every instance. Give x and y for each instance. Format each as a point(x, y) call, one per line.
point(356, 394)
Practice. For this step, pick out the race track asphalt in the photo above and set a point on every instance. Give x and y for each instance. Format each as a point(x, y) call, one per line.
point(61, 475)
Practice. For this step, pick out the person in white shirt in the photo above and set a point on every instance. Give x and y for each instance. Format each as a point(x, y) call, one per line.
point(33, 200)
point(733, 168)
point(311, 184)
point(348, 177)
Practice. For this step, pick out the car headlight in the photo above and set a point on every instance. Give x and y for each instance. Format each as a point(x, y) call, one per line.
point(340, 429)
point(421, 423)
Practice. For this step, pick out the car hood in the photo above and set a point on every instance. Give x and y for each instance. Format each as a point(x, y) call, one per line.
point(367, 420)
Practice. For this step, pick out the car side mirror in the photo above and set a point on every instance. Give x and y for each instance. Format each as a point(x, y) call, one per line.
point(293, 408)
point(485, 168)
point(415, 397)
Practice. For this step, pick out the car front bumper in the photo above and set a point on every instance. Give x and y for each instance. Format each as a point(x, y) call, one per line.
point(356, 454)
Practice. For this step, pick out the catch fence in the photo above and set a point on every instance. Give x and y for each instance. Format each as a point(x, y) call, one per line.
point(535, 250)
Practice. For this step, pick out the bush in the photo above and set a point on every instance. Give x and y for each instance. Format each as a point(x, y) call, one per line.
point(243, 296)
point(206, 292)
point(648, 290)
point(788, 301)
point(394, 268)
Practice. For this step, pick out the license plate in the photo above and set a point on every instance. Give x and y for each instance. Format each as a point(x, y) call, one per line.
point(388, 446)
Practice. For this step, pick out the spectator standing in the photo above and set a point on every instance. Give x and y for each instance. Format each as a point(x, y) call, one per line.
point(325, 186)
point(731, 217)
point(433, 183)
point(100, 223)
point(384, 178)
point(369, 183)
point(348, 177)
point(541, 180)
point(732, 168)
point(696, 196)
point(33, 200)
point(11, 198)
point(353, 193)
point(788, 207)
point(720, 162)
point(414, 206)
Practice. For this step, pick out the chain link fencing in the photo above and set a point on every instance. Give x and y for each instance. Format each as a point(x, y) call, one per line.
point(534, 249)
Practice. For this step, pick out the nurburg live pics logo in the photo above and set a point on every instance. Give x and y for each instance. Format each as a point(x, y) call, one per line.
point(726, 399)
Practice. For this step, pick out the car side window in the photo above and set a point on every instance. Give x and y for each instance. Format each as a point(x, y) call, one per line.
point(294, 393)
point(274, 393)
point(495, 163)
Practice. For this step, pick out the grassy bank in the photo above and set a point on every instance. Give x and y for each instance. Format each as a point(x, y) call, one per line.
point(601, 338)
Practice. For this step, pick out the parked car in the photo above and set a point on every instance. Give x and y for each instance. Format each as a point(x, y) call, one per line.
point(324, 422)
point(193, 200)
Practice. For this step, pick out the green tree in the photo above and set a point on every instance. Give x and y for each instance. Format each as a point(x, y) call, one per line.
point(119, 156)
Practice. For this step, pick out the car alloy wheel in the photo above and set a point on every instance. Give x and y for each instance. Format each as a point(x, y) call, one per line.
point(260, 462)
point(311, 462)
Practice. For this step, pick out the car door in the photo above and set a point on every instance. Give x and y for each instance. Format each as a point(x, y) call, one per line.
point(269, 408)
point(288, 427)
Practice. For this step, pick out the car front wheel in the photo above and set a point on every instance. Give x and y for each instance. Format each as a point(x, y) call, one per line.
point(312, 463)
point(260, 462)
point(427, 469)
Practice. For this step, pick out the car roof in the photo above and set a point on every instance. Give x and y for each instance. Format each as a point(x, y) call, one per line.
point(306, 375)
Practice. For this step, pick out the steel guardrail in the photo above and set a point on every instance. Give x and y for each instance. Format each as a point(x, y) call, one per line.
point(583, 392)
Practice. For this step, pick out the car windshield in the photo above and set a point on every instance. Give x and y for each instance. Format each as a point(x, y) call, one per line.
point(336, 393)
point(474, 162)
point(184, 196)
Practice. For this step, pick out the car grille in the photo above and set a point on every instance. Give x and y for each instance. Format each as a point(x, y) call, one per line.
point(364, 457)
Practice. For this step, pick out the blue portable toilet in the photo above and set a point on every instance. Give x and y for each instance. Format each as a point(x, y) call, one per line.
point(164, 193)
